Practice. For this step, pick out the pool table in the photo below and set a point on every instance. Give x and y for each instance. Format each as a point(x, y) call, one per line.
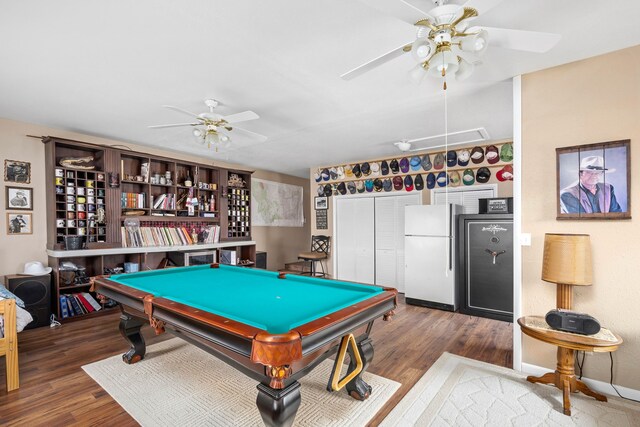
point(273, 327)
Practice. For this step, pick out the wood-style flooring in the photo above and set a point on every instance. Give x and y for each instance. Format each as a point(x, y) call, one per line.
point(55, 391)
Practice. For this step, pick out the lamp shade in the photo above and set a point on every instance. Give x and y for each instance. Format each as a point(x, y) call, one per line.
point(567, 259)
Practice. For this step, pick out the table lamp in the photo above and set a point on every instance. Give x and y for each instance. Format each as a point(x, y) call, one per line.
point(567, 263)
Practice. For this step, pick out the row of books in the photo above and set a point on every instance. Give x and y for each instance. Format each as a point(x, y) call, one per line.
point(133, 200)
point(167, 236)
point(164, 201)
point(78, 304)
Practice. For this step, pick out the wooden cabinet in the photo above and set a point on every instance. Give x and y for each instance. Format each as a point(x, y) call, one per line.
point(93, 189)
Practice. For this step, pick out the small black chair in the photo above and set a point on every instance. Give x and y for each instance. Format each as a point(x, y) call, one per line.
point(320, 247)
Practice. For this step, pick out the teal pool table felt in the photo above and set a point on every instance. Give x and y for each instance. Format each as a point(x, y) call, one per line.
point(254, 297)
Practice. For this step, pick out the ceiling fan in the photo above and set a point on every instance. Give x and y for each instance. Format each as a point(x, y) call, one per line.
point(212, 128)
point(450, 139)
point(445, 41)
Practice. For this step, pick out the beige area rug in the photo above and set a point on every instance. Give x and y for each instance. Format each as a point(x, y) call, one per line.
point(457, 391)
point(178, 384)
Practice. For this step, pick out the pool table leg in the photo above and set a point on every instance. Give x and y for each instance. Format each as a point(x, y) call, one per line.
point(357, 388)
point(278, 407)
point(130, 330)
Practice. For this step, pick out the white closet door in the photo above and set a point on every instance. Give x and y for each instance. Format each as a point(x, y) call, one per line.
point(390, 239)
point(467, 198)
point(354, 240)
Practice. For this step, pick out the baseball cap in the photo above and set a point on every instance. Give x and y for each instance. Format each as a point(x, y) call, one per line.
point(492, 155)
point(468, 177)
point(320, 190)
point(415, 163)
point(408, 183)
point(506, 152)
point(377, 184)
point(397, 183)
point(438, 162)
point(351, 186)
point(368, 185)
point(333, 173)
point(431, 180)
point(426, 162)
point(483, 175)
point(325, 174)
point(452, 158)
point(442, 179)
point(418, 182)
point(384, 167)
point(348, 171)
point(375, 169)
point(317, 176)
point(463, 157)
point(342, 188)
point(387, 184)
point(328, 191)
point(477, 155)
point(356, 170)
point(340, 172)
point(394, 166)
point(505, 174)
point(404, 165)
point(365, 169)
point(360, 186)
point(454, 178)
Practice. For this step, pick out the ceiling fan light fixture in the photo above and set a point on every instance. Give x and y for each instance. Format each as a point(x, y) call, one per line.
point(476, 43)
point(465, 69)
point(421, 50)
point(419, 72)
point(443, 60)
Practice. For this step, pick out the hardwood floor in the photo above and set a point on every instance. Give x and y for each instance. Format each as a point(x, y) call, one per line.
point(55, 391)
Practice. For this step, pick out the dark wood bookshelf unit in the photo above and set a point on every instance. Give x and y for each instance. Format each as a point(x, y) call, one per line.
point(95, 202)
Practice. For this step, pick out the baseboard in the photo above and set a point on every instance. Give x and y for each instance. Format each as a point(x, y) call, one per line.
point(595, 385)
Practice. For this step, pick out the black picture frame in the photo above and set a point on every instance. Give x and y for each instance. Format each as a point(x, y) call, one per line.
point(593, 181)
point(321, 203)
point(17, 171)
point(19, 198)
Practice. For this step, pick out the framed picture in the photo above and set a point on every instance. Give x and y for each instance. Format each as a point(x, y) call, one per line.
point(19, 198)
point(321, 203)
point(19, 223)
point(594, 181)
point(17, 171)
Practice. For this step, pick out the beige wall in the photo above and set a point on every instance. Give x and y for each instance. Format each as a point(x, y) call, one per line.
point(281, 243)
point(590, 101)
point(505, 189)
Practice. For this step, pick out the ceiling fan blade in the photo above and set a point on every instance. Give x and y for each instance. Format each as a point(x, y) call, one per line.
point(530, 41)
point(400, 9)
point(174, 125)
point(375, 62)
point(482, 6)
point(241, 117)
point(262, 138)
point(180, 110)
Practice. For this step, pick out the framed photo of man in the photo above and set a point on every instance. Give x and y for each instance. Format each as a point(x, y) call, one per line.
point(17, 171)
point(19, 198)
point(594, 181)
point(19, 223)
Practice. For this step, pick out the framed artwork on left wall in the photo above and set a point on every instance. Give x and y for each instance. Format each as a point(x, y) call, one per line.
point(19, 223)
point(19, 198)
point(17, 171)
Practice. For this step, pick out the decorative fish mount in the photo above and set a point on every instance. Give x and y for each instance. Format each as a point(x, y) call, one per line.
point(77, 163)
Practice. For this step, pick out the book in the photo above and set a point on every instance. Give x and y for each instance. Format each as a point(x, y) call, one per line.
point(84, 302)
point(70, 306)
point(96, 306)
point(63, 307)
point(76, 306)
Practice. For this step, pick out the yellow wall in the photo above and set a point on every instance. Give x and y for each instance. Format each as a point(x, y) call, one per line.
point(281, 243)
point(594, 100)
point(505, 189)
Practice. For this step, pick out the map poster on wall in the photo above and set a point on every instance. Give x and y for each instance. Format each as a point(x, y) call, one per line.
point(321, 219)
point(274, 204)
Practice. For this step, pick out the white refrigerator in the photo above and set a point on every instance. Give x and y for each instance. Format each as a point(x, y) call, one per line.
point(429, 245)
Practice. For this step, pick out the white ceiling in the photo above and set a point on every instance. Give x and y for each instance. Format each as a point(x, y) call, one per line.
point(106, 68)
